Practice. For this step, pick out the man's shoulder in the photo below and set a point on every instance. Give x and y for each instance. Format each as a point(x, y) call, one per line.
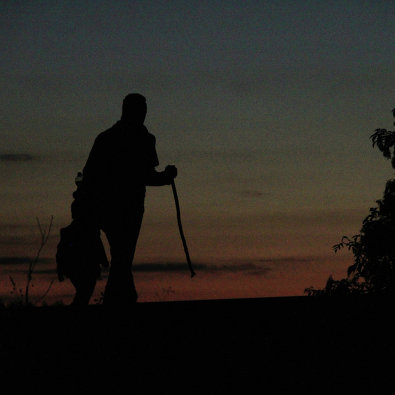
point(108, 134)
point(117, 132)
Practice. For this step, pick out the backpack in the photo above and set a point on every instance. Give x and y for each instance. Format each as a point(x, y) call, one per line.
point(80, 252)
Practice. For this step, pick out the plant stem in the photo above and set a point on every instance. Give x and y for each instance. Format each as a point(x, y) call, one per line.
point(44, 238)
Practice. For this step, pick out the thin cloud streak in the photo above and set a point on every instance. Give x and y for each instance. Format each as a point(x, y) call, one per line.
point(17, 158)
point(256, 266)
point(158, 266)
point(182, 267)
point(18, 260)
point(254, 194)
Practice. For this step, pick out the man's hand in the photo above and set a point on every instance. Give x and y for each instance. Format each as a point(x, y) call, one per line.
point(158, 178)
point(171, 172)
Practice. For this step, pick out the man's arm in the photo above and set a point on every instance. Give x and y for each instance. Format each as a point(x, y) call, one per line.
point(159, 178)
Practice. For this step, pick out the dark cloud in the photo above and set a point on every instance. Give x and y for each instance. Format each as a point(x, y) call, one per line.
point(252, 267)
point(17, 235)
point(17, 260)
point(288, 259)
point(155, 267)
point(16, 158)
point(13, 241)
point(264, 266)
point(165, 267)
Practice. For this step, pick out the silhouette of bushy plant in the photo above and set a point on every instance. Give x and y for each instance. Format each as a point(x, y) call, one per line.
point(44, 232)
point(373, 270)
point(22, 298)
point(343, 287)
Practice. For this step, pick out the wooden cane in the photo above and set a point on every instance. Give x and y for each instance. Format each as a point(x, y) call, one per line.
point(184, 243)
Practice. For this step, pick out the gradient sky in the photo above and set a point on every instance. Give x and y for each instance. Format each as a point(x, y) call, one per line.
point(265, 107)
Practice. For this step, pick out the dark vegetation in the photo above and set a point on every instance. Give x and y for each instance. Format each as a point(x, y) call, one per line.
point(373, 270)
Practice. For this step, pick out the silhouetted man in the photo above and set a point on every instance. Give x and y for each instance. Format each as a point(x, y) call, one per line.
point(120, 165)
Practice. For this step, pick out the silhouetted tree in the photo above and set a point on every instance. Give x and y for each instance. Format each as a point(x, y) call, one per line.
point(373, 270)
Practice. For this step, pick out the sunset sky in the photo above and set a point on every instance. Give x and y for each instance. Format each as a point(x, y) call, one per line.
point(265, 107)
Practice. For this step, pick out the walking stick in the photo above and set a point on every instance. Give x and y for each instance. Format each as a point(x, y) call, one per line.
point(184, 243)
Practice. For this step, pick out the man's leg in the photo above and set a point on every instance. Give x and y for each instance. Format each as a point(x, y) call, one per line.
point(122, 237)
point(84, 288)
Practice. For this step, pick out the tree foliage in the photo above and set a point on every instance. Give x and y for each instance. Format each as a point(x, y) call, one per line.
point(373, 270)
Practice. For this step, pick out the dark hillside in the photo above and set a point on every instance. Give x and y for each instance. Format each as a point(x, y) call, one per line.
point(273, 345)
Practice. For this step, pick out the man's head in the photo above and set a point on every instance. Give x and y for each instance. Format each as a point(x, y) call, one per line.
point(134, 108)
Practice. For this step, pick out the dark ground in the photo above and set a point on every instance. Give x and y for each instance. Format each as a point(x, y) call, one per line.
point(260, 346)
